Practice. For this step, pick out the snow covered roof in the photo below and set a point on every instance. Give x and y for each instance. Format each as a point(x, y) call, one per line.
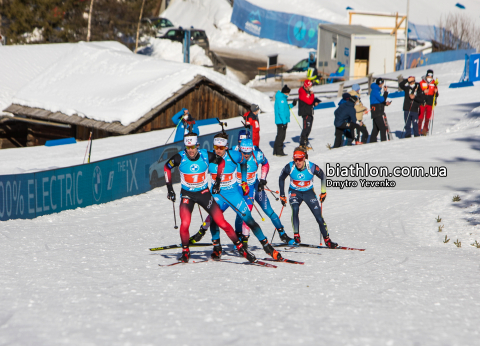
point(117, 87)
point(349, 30)
point(21, 64)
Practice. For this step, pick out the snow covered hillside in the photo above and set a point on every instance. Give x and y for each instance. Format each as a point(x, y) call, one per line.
point(171, 50)
point(86, 277)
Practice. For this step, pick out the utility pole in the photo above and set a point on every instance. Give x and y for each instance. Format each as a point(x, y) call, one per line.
point(138, 26)
point(406, 38)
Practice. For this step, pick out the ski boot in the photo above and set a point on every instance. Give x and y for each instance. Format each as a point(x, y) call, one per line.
point(296, 236)
point(185, 255)
point(245, 241)
point(197, 236)
point(285, 238)
point(217, 250)
point(245, 253)
point(268, 248)
point(239, 235)
point(330, 243)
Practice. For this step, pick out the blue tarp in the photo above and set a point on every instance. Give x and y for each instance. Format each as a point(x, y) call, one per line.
point(325, 105)
point(284, 27)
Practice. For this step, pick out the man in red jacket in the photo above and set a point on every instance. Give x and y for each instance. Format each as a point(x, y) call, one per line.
point(251, 118)
point(430, 90)
point(306, 102)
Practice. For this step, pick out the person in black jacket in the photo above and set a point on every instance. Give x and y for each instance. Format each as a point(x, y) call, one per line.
point(413, 99)
point(346, 118)
point(377, 105)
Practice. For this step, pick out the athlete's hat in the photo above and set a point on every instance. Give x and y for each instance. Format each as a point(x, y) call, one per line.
point(242, 134)
point(246, 145)
point(308, 83)
point(429, 73)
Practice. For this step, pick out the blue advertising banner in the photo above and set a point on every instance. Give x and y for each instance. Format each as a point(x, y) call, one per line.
point(288, 28)
point(26, 196)
point(474, 68)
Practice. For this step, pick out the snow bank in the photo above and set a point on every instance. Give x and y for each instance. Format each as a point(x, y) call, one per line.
point(108, 85)
point(21, 64)
point(171, 50)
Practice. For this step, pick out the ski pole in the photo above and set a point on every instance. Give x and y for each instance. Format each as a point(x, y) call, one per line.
point(433, 114)
point(174, 216)
point(275, 231)
point(175, 129)
point(276, 198)
point(253, 203)
point(86, 149)
point(272, 191)
point(226, 200)
point(201, 216)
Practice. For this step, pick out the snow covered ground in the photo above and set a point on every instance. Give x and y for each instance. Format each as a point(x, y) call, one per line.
point(86, 277)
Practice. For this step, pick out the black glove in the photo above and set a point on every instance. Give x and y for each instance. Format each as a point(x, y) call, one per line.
point(315, 100)
point(283, 199)
point(171, 194)
point(261, 185)
point(294, 103)
point(216, 187)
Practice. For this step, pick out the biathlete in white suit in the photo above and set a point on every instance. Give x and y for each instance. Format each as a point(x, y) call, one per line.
point(229, 196)
point(193, 165)
point(301, 173)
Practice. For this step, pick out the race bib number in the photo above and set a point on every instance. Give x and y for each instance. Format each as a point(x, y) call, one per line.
point(226, 178)
point(301, 183)
point(250, 176)
point(194, 178)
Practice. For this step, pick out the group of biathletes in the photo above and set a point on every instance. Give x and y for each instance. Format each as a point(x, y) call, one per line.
point(419, 102)
point(237, 185)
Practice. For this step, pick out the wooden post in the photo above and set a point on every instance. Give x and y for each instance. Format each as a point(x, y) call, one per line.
point(89, 21)
point(138, 26)
point(370, 81)
point(340, 90)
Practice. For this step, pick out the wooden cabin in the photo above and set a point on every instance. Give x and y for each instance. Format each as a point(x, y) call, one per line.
point(201, 96)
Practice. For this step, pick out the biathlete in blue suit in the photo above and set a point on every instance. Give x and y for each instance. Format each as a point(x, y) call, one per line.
point(193, 165)
point(301, 173)
point(229, 196)
point(253, 188)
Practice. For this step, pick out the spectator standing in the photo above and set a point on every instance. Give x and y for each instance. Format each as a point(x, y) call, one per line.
point(306, 102)
point(377, 105)
point(184, 122)
point(345, 119)
point(411, 104)
point(251, 118)
point(430, 91)
point(282, 118)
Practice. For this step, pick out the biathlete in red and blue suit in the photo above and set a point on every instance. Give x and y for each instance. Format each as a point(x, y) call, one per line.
point(193, 166)
point(301, 173)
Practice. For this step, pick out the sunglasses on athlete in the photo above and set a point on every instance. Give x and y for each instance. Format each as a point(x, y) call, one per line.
point(219, 147)
point(299, 159)
point(190, 147)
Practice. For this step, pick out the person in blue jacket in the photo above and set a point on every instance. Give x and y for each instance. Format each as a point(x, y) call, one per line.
point(346, 119)
point(282, 118)
point(377, 105)
point(184, 121)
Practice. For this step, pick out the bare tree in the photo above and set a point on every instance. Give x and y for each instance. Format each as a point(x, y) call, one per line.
point(456, 31)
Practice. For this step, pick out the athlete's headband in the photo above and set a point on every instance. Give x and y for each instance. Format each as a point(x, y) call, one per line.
point(220, 141)
point(190, 140)
point(298, 154)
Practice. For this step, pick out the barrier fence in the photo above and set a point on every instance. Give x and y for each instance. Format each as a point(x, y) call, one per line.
point(29, 195)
